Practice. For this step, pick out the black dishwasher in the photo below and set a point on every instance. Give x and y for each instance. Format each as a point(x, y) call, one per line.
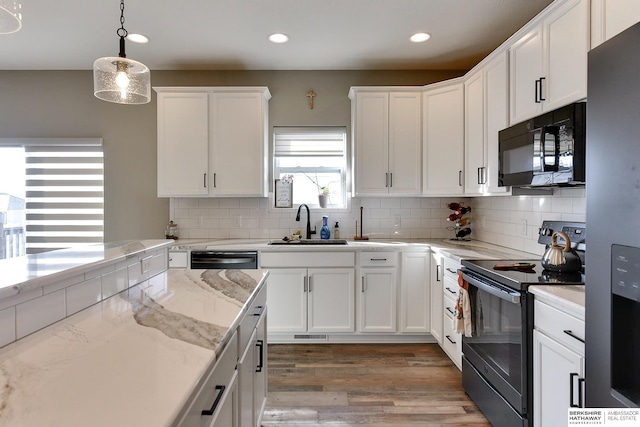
point(213, 259)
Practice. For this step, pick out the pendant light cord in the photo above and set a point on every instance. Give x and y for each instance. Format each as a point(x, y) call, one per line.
point(122, 32)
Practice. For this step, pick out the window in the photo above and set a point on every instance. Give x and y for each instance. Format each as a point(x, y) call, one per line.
point(55, 197)
point(316, 158)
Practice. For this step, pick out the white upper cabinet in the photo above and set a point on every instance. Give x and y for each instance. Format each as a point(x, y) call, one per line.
point(548, 63)
point(443, 138)
point(183, 144)
point(238, 123)
point(387, 141)
point(212, 141)
point(611, 17)
point(486, 113)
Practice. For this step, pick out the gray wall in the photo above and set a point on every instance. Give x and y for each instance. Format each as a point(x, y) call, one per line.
point(47, 104)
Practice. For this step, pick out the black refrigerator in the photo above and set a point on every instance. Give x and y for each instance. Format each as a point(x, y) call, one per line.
point(613, 215)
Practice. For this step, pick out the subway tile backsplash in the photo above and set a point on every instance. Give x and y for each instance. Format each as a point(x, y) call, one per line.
point(510, 221)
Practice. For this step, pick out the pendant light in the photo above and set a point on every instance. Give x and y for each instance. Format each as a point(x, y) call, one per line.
point(119, 79)
point(10, 16)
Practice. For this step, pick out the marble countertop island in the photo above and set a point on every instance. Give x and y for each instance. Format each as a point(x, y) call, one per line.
point(131, 360)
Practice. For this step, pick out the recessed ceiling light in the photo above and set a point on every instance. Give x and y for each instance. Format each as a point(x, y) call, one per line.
point(279, 38)
point(420, 37)
point(138, 38)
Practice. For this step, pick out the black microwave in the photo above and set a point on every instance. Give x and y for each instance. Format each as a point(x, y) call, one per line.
point(547, 150)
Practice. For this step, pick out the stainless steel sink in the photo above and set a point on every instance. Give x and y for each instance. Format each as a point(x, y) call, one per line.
point(309, 242)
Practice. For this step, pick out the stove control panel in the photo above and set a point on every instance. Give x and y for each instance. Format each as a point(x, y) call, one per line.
point(576, 231)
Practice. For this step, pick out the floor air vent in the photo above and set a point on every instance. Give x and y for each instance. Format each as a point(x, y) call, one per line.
point(311, 337)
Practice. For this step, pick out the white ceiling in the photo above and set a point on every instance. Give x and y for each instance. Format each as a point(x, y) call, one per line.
point(232, 34)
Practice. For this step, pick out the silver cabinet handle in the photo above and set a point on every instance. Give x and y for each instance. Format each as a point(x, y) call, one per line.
point(391, 179)
point(451, 311)
point(450, 340)
point(305, 283)
point(459, 178)
point(377, 259)
point(205, 180)
point(450, 290)
point(438, 267)
point(309, 282)
point(362, 287)
point(214, 180)
point(386, 179)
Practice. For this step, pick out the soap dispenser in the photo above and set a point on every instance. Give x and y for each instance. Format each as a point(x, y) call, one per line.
point(325, 233)
point(336, 231)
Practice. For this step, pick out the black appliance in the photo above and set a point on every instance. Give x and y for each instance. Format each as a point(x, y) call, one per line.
point(544, 151)
point(497, 362)
point(216, 259)
point(612, 316)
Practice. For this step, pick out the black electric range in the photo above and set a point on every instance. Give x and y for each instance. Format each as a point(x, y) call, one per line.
point(521, 280)
point(497, 362)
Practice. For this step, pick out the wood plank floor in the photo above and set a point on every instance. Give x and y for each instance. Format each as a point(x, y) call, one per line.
point(366, 385)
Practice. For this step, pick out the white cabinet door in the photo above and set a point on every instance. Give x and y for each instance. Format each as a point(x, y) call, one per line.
point(331, 300)
point(378, 300)
point(475, 149)
point(496, 107)
point(437, 273)
point(555, 380)
point(405, 143)
point(526, 70)
point(371, 142)
point(443, 140)
point(246, 374)
point(611, 17)
point(387, 142)
point(260, 378)
point(415, 312)
point(567, 41)
point(548, 64)
point(183, 144)
point(238, 144)
point(287, 300)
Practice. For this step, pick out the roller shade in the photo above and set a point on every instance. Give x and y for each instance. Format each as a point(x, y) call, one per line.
point(309, 141)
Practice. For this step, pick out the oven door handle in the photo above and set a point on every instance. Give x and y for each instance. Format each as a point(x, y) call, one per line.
point(513, 297)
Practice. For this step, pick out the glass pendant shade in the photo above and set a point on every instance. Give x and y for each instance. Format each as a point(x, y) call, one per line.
point(10, 16)
point(121, 80)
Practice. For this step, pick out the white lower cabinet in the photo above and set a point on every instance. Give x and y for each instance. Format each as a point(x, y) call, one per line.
point(415, 309)
point(558, 365)
point(311, 300)
point(377, 296)
point(435, 302)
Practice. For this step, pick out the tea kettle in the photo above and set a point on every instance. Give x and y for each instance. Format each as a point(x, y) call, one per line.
point(561, 259)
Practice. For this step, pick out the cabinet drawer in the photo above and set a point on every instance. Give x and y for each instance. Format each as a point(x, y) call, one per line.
point(449, 306)
point(250, 319)
point(218, 383)
point(562, 327)
point(307, 259)
point(378, 259)
point(451, 268)
point(450, 288)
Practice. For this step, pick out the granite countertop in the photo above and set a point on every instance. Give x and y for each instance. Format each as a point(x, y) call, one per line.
point(131, 360)
point(23, 273)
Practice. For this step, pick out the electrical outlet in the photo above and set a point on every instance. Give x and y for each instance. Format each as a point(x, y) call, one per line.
point(396, 220)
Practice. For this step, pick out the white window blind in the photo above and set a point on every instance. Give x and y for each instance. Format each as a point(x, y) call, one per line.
point(64, 195)
point(316, 158)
